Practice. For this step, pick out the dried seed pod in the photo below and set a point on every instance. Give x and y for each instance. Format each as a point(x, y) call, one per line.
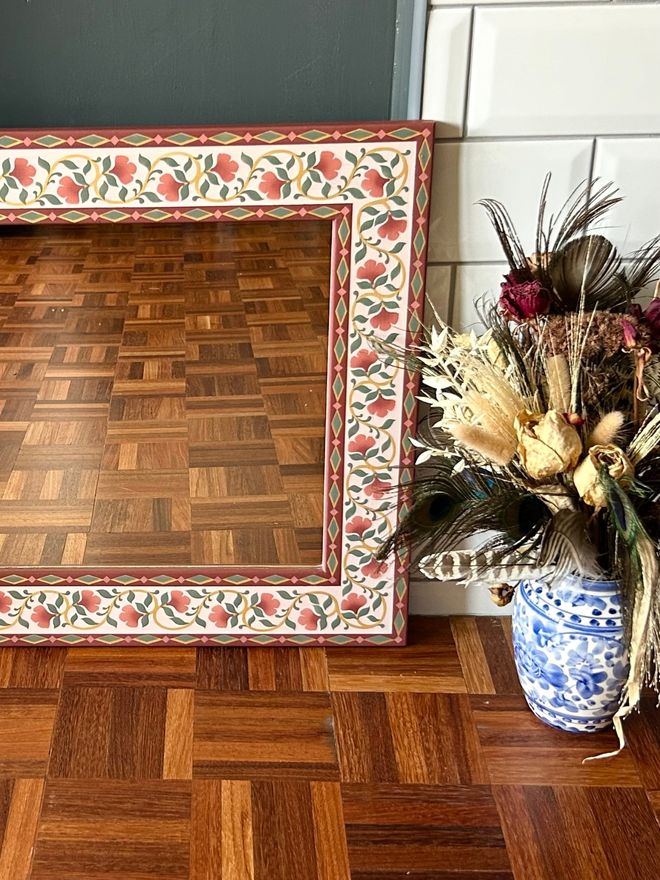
point(502, 594)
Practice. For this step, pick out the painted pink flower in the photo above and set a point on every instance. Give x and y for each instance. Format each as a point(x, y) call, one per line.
point(169, 187)
point(225, 167)
point(374, 569)
point(123, 170)
point(384, 319)
point(69, 190)
point(328, 165)
point(179, 601)
point(5, 603)
point(374, 183)
point(377, 488)
point(363, 359)
point(268, 603)
point(371, 270)
point(391, 228)
point(381, 406)
point(131, 616)
point(271, 185)
point(361, 444)
point(358, 526)
point(219, 616)
point(353, 602)
point(308, 619)
point(23, 172)
point(42, 617)
point(90, 601)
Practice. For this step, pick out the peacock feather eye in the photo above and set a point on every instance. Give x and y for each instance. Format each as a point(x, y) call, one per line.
point(525, 515)
point(434, 509)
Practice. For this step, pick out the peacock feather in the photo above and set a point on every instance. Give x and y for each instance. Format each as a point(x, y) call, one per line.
point(448, 507)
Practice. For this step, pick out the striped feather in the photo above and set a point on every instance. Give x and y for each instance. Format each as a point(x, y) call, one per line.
point(483, 566)
point(567, 548)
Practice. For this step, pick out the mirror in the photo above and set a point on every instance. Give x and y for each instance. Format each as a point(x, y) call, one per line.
point(198, 442)
point(170, 387)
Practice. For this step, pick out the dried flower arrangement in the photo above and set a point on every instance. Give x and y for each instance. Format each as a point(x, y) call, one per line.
point(544, 431)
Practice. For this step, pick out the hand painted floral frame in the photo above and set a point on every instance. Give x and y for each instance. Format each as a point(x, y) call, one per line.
point(373, 183)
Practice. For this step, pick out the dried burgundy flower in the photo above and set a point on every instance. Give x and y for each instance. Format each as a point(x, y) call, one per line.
point(652, 317)
point(629, 333)
point(523, 301)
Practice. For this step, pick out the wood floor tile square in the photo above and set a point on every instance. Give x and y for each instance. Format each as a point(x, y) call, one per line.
point(486, 654)
point(519, 749)
point(412, 738)
point(424, 831)
point(267, 830)
point(26, 726)
point(115, 733)
point(256, 735)
point(113, 830)
point(429, 664)
point(577, 833)
point(32, 668)
point(20, 805)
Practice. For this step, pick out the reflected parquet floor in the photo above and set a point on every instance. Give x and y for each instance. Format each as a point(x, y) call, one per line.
point(162, 393)
point(310, 764)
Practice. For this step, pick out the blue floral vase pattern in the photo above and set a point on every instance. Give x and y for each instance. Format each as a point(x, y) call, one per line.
point(569, 650)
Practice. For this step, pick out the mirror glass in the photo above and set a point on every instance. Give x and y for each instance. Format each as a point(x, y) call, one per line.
point(162, 393)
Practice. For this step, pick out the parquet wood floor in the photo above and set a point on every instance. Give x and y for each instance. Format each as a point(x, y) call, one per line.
point(310, 764)
point(162, 393)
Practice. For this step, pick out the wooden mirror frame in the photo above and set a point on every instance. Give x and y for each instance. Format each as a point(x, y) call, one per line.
point(373, 182)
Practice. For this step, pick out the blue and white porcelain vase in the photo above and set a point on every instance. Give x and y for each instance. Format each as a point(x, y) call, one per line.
point(569, 650)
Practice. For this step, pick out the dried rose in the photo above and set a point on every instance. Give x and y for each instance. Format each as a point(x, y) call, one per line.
point(523, 301)
point(586, 479)
point(652, 317)
point(547, 444)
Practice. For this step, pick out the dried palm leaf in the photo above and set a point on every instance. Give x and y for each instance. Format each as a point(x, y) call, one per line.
point(588, 267)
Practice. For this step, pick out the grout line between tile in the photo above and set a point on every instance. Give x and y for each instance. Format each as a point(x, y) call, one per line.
point(494, 139)
point(452, 293)
point(468, 74)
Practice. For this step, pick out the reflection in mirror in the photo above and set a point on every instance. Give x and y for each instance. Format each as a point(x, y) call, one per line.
point(162, 393)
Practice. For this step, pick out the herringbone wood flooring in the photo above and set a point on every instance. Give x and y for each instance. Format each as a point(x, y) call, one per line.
point(310, 764)
point(162, 393)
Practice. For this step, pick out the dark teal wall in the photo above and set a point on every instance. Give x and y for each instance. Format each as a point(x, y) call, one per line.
point(177, 62)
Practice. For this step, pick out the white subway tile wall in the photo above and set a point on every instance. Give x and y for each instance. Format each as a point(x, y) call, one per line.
point(518, 89)
point(549, 70)
point(445, 70)
point(634, 163)
point(510, 171)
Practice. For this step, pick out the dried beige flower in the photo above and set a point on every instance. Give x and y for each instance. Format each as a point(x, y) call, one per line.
point(547, 444)
point(586, 479)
